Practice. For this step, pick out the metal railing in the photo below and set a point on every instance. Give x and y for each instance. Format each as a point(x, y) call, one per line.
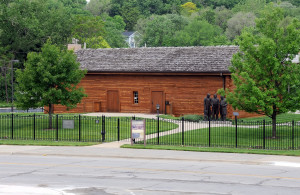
point(229, 134)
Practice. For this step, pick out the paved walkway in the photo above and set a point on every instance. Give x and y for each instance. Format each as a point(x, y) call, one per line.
point(188, 126)
point(111, 114)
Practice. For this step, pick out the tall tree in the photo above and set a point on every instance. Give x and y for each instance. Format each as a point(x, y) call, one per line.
point(50, 77)
point(5, 76)
point(216, 3)
point(254, 6)
point(99, 7)
point(130, 13)
point(188, 8)
point(238, 22)
point(222, 16)
point(160, 30)
point(200, 33)
point(27, 24)
point(114, 27)
point(295, 2)
point(266, 80)
point(90, 29)
point(75, 7)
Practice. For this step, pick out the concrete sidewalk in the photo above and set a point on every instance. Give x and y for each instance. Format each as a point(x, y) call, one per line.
point(107, 152)
point(116, 114)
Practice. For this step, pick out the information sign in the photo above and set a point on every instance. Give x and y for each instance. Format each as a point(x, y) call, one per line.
point(138, 130)
point(68, 124)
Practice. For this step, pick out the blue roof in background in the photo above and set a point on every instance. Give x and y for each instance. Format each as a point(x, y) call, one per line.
point(128, 33)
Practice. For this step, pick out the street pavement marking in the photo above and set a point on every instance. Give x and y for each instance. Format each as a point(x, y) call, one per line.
point(149, 170)
point(285, 164)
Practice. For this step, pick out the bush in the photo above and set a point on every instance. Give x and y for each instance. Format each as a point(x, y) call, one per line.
point(193, 118)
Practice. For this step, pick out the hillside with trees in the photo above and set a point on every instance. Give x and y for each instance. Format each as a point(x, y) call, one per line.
point(26, 25)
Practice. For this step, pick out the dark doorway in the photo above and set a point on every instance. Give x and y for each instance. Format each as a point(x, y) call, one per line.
point(157, 98)
point(113, 104)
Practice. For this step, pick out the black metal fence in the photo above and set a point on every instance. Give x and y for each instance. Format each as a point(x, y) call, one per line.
point(230, 134)
point(233, 134)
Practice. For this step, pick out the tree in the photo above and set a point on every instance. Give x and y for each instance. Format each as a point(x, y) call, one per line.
point(75, 7)
point(99, 7)
point(238, 22)
point(222, 16)
point(188, 8)
point(50, 77)
point(160, 30)
point(5, 74)
point(254, 6)
point(216, 3)
point(89, 27)
point(199, 33)
point(130, 15)
point(295, 2)
point(266, 80)
point(27, 24)
point(96, 42)
point(114, 27)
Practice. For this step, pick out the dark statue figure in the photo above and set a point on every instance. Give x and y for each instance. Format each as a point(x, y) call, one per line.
point(215, 107)
point(223, 108)
point(207, 107)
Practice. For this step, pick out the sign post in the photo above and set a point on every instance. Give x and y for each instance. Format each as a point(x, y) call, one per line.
point(138, 130)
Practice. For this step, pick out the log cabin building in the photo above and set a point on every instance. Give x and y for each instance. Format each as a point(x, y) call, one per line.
point(135, 80)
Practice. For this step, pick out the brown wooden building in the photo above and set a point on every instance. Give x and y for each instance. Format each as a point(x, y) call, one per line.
point(135, 80)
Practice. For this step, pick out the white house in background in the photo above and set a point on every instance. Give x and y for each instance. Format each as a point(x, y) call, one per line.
point(131, 38)
point(296, 59)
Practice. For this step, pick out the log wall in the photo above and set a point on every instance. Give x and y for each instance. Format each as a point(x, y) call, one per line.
point(185, 93)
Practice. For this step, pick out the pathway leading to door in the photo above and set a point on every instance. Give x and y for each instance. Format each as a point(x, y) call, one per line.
point(188, 126)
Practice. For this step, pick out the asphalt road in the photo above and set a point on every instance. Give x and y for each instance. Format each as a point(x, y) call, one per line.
point(54, 174)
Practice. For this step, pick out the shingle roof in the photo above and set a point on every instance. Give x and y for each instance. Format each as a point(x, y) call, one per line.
point(160, 59)
point(128, 33)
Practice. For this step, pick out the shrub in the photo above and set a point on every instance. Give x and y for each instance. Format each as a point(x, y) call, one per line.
point(193, 118)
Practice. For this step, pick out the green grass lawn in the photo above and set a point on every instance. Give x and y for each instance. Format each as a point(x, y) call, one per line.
point(4, 105)
point(281, 118)
point(89, 131)
point(251, 138)
point(45, 143)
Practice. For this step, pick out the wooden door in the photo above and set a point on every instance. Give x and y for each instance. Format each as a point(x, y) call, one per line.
point(113, 104)
point(157, 98)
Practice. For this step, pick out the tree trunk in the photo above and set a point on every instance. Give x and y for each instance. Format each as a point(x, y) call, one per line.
point(274, 122)
point(50, 116)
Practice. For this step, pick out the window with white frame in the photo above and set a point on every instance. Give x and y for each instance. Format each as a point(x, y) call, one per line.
point(135, 97)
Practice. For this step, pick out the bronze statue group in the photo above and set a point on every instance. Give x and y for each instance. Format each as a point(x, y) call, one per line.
point(212, 108)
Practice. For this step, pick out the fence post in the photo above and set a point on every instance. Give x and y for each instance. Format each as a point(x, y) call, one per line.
point(208, 131)
point(103, 128)
point(12, 126)
point(34, 126)
point(56, 127)
point(157, 130)
point(182, 131)
point(264, 132)
point(293, 134)
point(236, 132)
point(118, 129)
point(79, 121)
